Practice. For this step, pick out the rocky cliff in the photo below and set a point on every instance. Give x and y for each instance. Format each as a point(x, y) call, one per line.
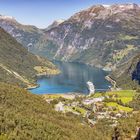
point(104, 36)
point(101, 36)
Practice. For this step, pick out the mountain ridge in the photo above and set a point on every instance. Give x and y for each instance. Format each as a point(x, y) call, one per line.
point(97, 32)
point(17, 65)
point(27, 35)
point(103, 36)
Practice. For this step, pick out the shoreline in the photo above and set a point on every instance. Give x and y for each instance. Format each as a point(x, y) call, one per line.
point(113, 82)
point(48, 74)
point(39, 75)
point(56, 72)
point(33, 87)
point(63, 95)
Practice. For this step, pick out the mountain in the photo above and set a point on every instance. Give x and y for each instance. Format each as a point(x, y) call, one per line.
point(27, 35)
point(104, 36)
point(127, 75)
point(54, 24)
point(17, 65)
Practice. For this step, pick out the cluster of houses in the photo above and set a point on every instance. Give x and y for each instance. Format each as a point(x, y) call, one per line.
point(90, 105)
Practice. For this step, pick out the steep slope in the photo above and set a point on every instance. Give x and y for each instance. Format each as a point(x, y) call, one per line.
point(101, 36)
point(27, 35)
point(127, 75)
point(104, 36)
point(24, 116)
point(17, 65)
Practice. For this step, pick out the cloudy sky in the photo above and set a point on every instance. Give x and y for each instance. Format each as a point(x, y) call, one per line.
point(41, 13)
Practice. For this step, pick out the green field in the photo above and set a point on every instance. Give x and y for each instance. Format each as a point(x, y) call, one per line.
point(97, 95)
point(119, 107)
point(125, 96)
point(80, 110)
point(122, 93)
point(125, 99)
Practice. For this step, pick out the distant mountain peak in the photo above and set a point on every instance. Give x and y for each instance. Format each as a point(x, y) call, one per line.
point(122, 7)
point(25, 34)
point(101, 35)
point(55, 24)
point(7, 17)
point(106, 5)
point(59, 21)
point(102, 11)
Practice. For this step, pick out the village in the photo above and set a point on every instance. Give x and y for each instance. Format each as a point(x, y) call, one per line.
point(96, 106)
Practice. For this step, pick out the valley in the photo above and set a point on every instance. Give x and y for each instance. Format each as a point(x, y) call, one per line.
point(102, 36)
point(45, 76)
point(73, 78)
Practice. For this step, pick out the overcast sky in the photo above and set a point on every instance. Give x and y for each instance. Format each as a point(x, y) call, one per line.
point(41, 13)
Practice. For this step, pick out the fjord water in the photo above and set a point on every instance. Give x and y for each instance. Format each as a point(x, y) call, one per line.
point(73, 78)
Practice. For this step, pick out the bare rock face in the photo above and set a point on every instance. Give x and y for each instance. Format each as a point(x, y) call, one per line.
point(104, 36)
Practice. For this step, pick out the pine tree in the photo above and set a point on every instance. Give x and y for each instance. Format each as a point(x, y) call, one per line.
point(116, 134)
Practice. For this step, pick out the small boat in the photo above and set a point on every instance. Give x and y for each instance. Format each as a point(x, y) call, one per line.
point(91, 87)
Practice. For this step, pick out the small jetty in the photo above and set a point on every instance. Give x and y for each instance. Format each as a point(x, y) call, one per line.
point(91, 87)
point(113, 82)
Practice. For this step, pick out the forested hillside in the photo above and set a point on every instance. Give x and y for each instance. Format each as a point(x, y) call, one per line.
point(127, 75)
point(24, 116)
point(17, 65)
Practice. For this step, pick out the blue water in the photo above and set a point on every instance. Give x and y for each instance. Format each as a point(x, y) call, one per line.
point(73, 78)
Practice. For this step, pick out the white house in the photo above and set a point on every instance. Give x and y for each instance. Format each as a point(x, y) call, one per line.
point(59, 106)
